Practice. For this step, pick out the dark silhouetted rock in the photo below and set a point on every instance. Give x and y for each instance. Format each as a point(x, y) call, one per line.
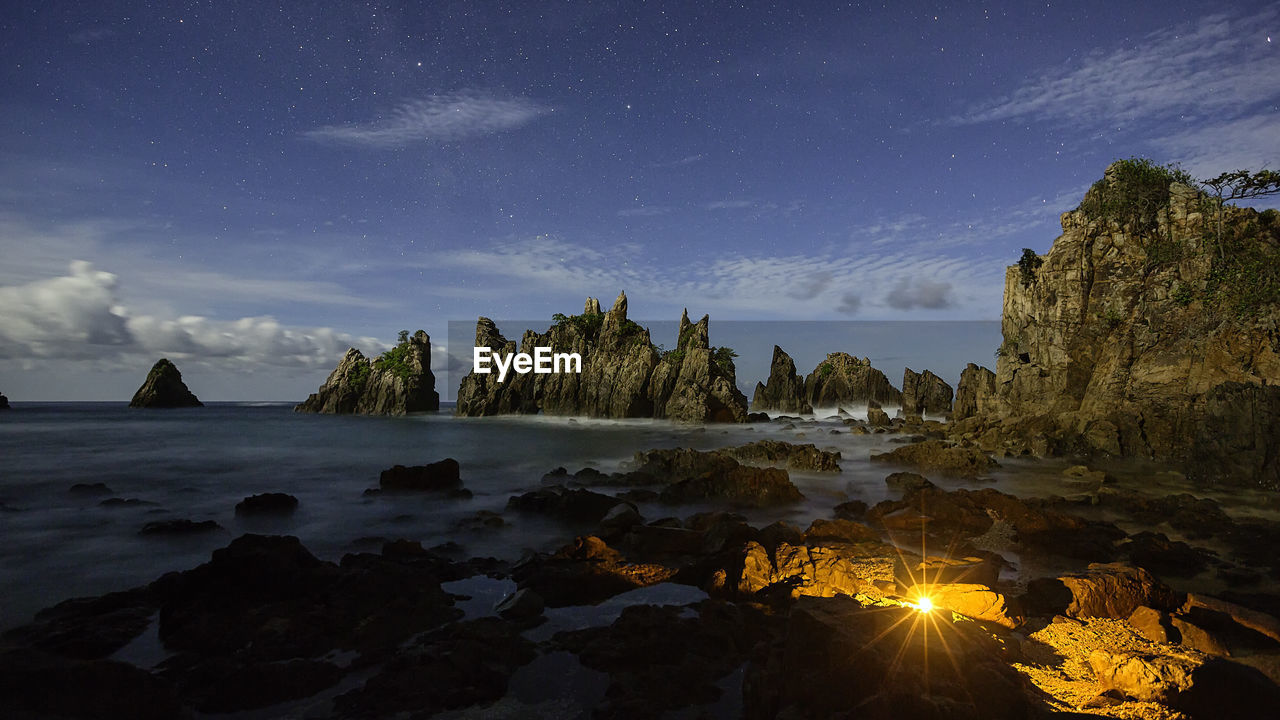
point(520, 605)
point(398, 382)
point(4, 402)
point(164, 388)
point(267, 504)
point(37, 684)
point(784, 390)
point(741, 486)
point(90, 489)
point(585, 572)
point(443, 475)
point(572, 505)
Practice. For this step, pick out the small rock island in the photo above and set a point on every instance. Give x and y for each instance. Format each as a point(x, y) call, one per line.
point(164, 388)
point(397, 382)
point(4, 402)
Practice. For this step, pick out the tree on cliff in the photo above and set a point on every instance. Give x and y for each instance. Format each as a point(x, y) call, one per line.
point(1240, 185)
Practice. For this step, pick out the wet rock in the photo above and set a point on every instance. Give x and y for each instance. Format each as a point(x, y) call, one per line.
point(164, 388)
point(90, 489)
point(443, 475)
point(1165, 557)
point(740, 486)
point(851, 510)
point(569, 505)
point(1153, 625)
point(178, 527)
point(460, 665)
point(925, 393)
point(793, 456)
point(837, 655)
point(585, 572)
point(978, 602)
point(799, 570)
point(1111, 590)
point(88, 628)
point(934, 455)
point(37, 684)
point(267, 504)
point(907, 482)
point(822, 532)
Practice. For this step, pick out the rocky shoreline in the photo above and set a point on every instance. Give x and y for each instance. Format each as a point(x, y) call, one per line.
point(778, 621)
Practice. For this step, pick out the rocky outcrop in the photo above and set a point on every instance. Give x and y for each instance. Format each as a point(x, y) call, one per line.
point(845, 379)
point(164, 388)
point(4, 402)
point(976, 393)
point(623, 373)
point(1145, 332)
point(925, 393)
point(783, 392)
point(398, 382)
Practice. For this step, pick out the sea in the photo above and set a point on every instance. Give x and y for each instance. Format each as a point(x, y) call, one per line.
point(198, 463)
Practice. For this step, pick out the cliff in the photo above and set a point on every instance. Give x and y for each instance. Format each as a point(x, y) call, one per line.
point(783, 392)
point(164, 388)
point(842, 378)
point(925, 393)
point(1149, 329)
point(398, 382)
point(623, 374)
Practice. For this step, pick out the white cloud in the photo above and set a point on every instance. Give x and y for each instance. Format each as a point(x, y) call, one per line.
point(1219, 65)
point(79, 316)
point(436, 118)
point(730, 205)
point(1245, 143)
point(911, 293)
point(644, 211)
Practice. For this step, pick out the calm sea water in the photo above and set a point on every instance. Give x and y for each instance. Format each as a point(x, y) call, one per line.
point(199, 463)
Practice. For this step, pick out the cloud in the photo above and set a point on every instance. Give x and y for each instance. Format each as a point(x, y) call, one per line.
point(849, 304)
point(437, 118)
point(1218, 65)
point(812, 286)
point(687, 160)
point(730, 205)
point(1244, 143)
point(79, 317)
point(910, 294)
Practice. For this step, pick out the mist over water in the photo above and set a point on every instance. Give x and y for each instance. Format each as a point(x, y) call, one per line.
point(198, 463)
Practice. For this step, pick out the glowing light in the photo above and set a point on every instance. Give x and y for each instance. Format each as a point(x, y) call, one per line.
point(924, 605)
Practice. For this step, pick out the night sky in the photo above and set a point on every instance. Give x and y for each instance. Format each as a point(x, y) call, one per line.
point(248, 188)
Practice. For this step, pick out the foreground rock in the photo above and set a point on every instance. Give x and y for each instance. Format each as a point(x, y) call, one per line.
point(1134, 336)
point(623, 374)
point(441, 476)
point(397, 382)
point(838, 656)
point(267, 504)
point(164, 388)
point(937, 456)
point(783, 392)
point(585, 572)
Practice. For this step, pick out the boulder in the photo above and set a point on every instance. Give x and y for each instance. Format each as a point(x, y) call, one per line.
point(4, 402)
point(823, 532)
point(793, 456)
point(1112, 590)
point(1153, 625)
point(572, 505)
point(267, 504)
point(934, 455)
point(801, 570)
point(442, 475)
point(784, 390)
point(522, 604)
point(164, 388)
point(878, 418)
point(741, 486)
point(585, 572)
point(181, 526)
point(925, 393)
point(978, 602)
point(1202, 688)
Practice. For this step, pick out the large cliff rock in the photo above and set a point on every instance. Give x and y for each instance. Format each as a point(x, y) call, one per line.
point(398, 382)
point(842, 378)
point(1145, 331)
point(925, 393)
point(164, 388)
point(623, 374)
point(784, 390)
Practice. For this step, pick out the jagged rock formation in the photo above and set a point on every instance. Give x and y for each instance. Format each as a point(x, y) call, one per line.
point(623, 374)
point(4, 402)
point(925, 393)
point(976, 393)
point(784, 390)
point(1145, 331)
point(842, 378)
point(164, 388)
point(398, 382)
